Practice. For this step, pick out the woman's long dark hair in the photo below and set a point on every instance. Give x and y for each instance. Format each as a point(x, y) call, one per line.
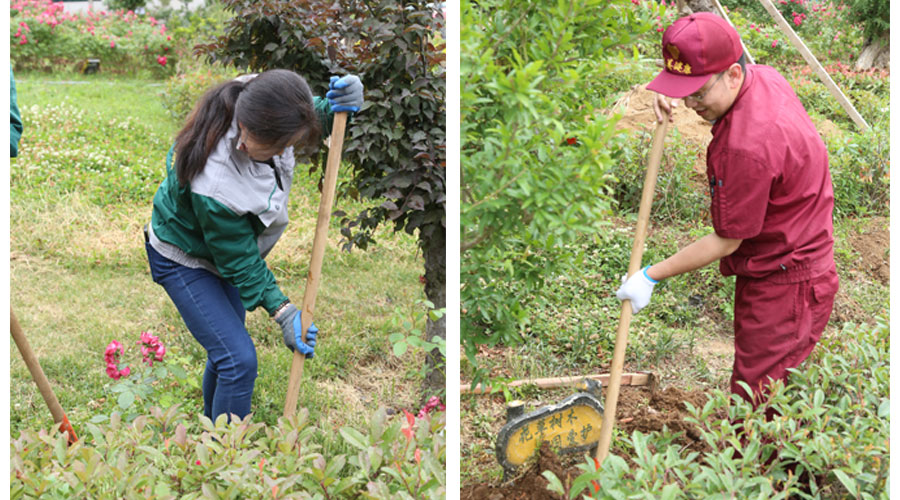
point(274, 108)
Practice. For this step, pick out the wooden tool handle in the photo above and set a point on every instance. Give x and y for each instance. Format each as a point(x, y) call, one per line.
point(59, 416)
point(318, 255)
point(637, 252)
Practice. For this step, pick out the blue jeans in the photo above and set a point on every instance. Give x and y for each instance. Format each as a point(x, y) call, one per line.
point(213, 312)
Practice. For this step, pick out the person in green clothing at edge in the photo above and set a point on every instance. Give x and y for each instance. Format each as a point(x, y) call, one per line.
point(221, 209)
point(15, 118)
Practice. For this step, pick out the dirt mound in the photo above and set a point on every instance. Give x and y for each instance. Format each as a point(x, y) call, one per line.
point(872, 244)
point(530, 485)
point(637, 109)
point(636, 409)
point(666, 409)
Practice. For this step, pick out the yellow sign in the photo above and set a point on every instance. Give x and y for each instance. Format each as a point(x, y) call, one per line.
point(570, 427)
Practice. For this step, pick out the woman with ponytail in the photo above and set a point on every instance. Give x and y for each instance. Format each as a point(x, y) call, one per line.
point(222, 207)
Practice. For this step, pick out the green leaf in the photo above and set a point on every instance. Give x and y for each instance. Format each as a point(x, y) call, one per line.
point(354, 437)
point(848, 483)
point(555, 485)
point(400, 348)
point(97, 419)
point(126, 399)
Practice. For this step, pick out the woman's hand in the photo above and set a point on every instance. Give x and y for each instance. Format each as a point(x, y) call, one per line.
point(292, 331)
point(345, 94)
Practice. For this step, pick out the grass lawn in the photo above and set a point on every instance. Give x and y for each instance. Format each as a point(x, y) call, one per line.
point(91, 157)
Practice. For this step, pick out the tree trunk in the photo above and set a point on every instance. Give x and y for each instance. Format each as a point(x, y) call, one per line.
point(436, 290)
point(876, 54)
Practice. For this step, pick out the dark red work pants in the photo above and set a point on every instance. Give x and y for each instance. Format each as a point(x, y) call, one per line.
point(776, 327)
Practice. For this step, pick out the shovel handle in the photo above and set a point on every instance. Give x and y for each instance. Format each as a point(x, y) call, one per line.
point(637, 252)
point(318, 254)
point(59, 416)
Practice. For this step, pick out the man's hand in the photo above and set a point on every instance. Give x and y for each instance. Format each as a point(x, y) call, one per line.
point(345, 94)
point(638, 289)
point(292, 331)
point(662, 105)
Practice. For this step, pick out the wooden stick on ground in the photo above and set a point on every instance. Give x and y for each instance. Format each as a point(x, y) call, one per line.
point(554, 382)
point(318, 254)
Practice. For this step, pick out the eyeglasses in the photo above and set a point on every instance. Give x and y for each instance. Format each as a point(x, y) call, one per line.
point(698, 98)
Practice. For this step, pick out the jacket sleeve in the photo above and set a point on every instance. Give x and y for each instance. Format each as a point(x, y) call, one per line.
point(15, 118)
point(232, 242)
point(326, 116)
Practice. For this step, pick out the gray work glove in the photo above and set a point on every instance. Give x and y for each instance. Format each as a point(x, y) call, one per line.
point(345, 94)
point(292, 331)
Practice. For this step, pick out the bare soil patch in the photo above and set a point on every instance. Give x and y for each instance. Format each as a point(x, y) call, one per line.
point(872, 243)
point(637, 107)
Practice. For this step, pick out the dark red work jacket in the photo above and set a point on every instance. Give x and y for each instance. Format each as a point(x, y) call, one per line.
point(769, 184)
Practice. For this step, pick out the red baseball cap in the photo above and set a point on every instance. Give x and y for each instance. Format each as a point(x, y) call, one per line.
point(695, 47)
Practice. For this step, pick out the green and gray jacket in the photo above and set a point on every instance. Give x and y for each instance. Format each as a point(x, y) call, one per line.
point(230, 216)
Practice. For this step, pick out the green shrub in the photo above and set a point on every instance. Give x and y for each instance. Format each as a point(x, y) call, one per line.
point(45, 37)
point(125, 4)
point(860, 173)
point(874, 15)
point(195, 75)
point(535, 149)
point(828, 30)
point(681, 193)
point(184, 88)
point(829, 437)
point(163, 455)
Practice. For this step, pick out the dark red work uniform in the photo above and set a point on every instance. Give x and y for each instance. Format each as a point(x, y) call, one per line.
point(770, 186)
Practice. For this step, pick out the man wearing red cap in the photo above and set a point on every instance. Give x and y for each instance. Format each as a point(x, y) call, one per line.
point(771, 201)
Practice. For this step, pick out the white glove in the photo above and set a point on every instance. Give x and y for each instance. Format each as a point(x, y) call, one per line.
point(638, 289)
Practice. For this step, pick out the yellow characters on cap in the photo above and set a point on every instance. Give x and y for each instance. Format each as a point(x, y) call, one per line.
point(673, 64)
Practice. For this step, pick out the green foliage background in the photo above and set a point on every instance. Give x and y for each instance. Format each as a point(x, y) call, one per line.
point(536, 150)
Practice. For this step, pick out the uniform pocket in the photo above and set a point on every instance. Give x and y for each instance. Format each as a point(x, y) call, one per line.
point(825, 288)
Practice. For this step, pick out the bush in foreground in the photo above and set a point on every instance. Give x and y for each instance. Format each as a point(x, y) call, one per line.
point(829, 438)
point(164, 456)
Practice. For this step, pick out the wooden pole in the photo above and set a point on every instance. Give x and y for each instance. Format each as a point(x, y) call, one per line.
point(815, 65)
point(31, 361)
point(318, 254)
point(554, 382)
point(634, 266)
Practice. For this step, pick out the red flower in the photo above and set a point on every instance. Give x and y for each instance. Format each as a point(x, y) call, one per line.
point(111, 357)
point(152, 349)
point(433, 403)
point(161, 60)
point(572, 140)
